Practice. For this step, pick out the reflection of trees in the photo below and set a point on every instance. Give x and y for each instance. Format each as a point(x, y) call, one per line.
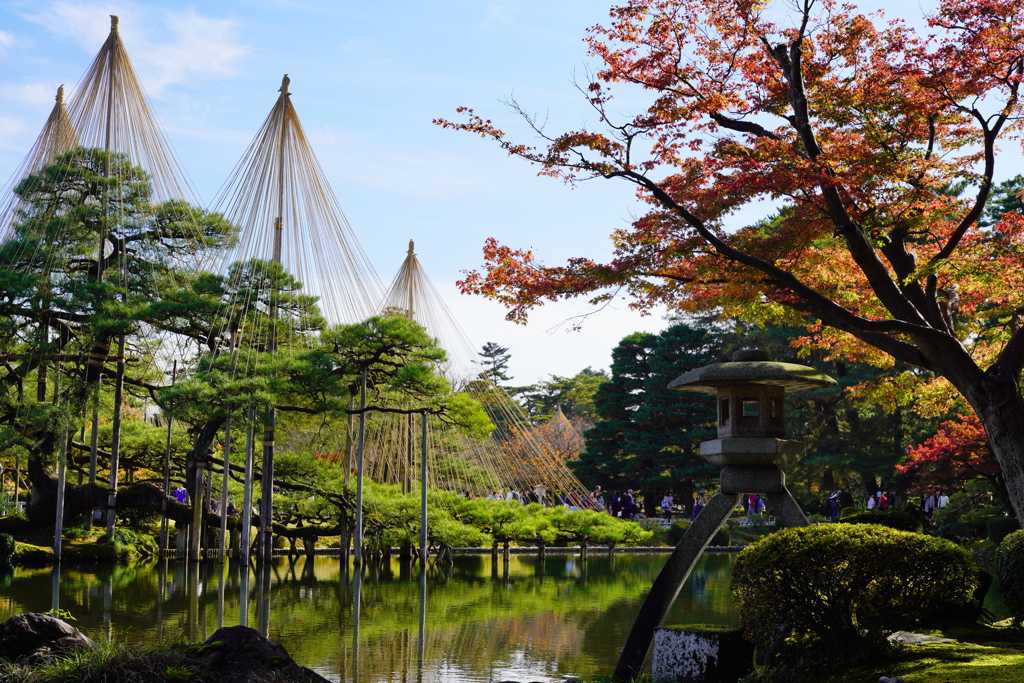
point(575, 620)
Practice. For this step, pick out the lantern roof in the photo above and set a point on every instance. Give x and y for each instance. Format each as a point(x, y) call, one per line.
point(752, 366)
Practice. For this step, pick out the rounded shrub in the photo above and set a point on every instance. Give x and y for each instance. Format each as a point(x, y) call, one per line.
point(834, 592)
point(1009, 566)
point(722, 538)
point(675, 532)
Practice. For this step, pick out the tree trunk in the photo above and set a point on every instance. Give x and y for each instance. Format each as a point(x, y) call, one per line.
point(1001, 411)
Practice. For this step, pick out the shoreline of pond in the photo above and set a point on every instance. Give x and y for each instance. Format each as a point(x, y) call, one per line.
point(41, 556)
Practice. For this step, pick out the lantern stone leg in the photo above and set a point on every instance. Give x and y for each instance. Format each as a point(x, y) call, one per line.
point(670, 580)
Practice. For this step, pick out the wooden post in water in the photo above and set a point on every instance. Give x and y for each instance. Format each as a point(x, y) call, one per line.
point(164, 526)
point(224, 497)
point(423, 490)
point(62, 473)
point(196, 528)
point(246, 532)
point(358, 553)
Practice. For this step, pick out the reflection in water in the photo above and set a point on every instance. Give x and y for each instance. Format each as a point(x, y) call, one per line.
point(472, 621)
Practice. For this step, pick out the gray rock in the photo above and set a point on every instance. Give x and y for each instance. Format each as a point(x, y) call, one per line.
point(31, 638)
point(241, 653)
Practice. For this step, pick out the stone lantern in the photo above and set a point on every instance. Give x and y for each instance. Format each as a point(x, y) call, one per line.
point(751, 444)
point(751, 449)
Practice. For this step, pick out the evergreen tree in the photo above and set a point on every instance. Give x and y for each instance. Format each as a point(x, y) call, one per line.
point(1005, 198)
point(645, 435)
point(574, 395)
point(495, 361)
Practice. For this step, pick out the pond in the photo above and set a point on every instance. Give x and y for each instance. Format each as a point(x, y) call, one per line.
point(474, 621)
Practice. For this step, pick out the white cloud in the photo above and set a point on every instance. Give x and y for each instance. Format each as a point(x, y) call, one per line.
point(12, 133)
point(38, 94)
point(201, 46)
point(498, 16)
point(186, 46)
point(6, 39)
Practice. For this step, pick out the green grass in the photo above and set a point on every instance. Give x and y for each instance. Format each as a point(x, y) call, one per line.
point(945, 663)
point(112, 663)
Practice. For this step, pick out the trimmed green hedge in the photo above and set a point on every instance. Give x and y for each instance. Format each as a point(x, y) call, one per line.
point(832, 593)
point(904, 518)
point(1009, 566)
point(676, 531)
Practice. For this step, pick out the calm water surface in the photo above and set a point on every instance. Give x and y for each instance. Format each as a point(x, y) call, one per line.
point(476, 621)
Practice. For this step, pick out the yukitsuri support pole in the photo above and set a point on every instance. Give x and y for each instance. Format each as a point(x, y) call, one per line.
point(245, 536)
point(358, 558)
point(224, 499)
point(115, 438)
point(196, 529)
point(94, 445)
point(164, 526)
point(17, 482)
point(421, 641)
point(266, 532)
point(349, 442)
point(423, 490)
point(62, 474)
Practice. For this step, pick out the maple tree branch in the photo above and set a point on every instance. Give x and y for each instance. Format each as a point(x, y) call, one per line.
point(1011, 359)
point(863, 252)
point(991, 134)
point(870, 331)
point(743, 126)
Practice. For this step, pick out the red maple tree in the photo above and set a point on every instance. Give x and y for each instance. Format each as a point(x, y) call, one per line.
point(958, 451)
point(861, 130)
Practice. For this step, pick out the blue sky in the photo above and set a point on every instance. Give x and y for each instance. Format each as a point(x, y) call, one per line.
point(367, 80)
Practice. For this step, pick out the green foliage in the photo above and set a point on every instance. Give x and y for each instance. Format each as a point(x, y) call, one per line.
point(585, 527)
point(904, 518)
point(62, 614)
point(574, 395)
point(676, 532)
point(75, 533)
point(131, 544)
point(645, 435)
point(1005, 198)
point(1009, 566)
point(6, 549)
point(833, 592)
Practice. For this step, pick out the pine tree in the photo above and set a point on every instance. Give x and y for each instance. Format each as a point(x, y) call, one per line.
point(647, 436)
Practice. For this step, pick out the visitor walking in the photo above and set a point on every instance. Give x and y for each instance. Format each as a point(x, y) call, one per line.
point(698, 505)
point(666, 507)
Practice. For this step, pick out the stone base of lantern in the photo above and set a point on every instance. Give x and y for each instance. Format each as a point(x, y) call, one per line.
point(753, 450)
point(700, 653)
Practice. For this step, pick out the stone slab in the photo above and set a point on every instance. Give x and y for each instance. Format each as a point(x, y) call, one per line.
point(700, 654)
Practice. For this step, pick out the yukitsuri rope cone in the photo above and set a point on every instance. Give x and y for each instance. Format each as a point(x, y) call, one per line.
point(519, 456)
